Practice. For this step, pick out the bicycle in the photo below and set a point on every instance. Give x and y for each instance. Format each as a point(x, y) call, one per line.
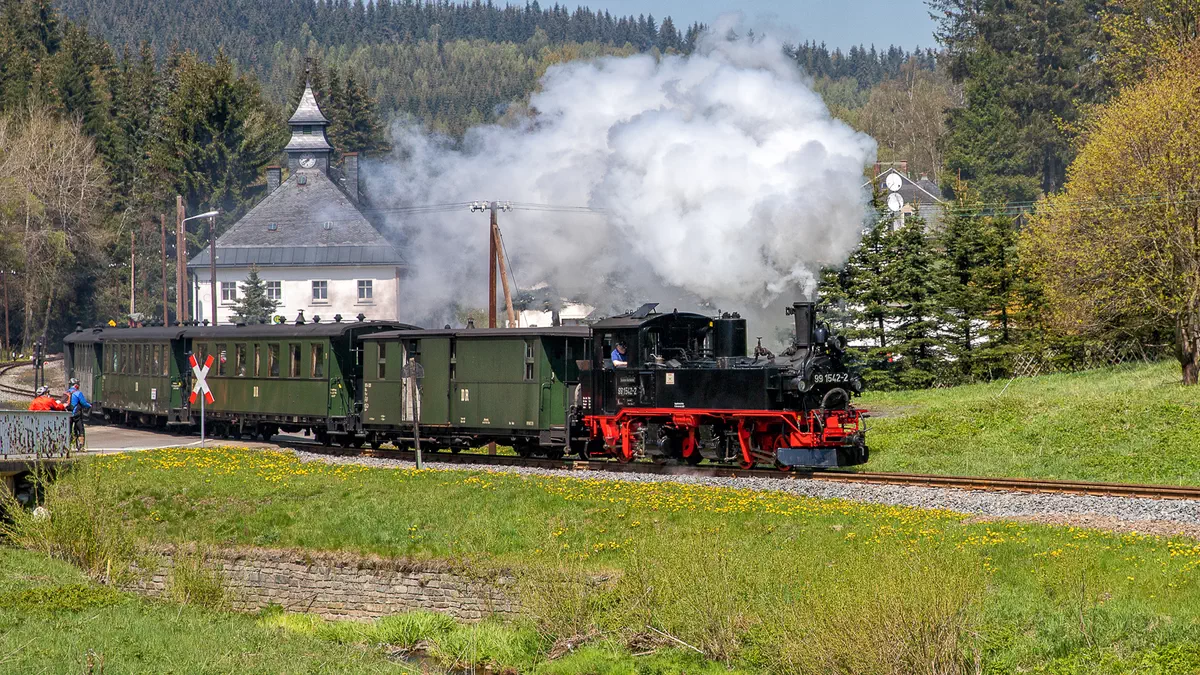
point(78, 439)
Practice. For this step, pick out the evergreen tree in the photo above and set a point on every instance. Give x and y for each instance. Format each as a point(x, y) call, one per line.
point(253, 306)
point(911, 283)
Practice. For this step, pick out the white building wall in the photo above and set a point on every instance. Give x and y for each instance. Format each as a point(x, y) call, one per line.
point(296, 287)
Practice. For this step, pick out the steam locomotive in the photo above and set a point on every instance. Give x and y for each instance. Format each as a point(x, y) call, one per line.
point(689, 390)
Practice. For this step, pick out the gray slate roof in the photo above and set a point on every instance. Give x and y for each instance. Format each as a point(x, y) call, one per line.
point(307, 142)
point(300, 213)
point(307, 111)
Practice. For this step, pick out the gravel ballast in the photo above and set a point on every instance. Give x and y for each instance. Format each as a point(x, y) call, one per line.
point(1121, 514)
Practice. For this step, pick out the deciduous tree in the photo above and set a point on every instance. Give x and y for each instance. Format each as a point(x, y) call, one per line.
point(1119, 251)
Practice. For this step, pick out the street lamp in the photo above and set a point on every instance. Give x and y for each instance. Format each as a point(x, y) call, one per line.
point(212, 256)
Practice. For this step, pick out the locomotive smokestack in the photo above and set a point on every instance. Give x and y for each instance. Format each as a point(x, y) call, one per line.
point(806, 323)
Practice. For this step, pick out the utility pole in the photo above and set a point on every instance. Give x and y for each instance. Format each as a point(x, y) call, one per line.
point(498, 244)
point(492, 267)
point(132, 277)
point(212, 264)
point(7, 339)
point(496, 259)
point(181, 290)
point(162, 225)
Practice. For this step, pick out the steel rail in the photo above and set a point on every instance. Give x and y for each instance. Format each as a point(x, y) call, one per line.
point(9, 389)
point(1027, 485)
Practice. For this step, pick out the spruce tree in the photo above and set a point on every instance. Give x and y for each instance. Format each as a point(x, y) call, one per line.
point(911, 282)
point(253, 306)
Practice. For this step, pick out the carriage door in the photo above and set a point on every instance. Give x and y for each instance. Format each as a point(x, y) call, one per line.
point(411, 387)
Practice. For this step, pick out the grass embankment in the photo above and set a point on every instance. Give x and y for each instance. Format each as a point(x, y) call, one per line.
point(1132, 424)
point(54, 619)
point(763, 581)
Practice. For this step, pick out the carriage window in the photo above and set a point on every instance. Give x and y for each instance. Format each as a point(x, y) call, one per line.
point(453, 358)
point(116, 359)
point(382, 361)
point(294, 360)
point(239, 360)
point(166, 360)
point(147, 367)
point(256, 371)
point(318, 360)
point(124, 359)
point(155, 359)
point(137, 359)
point(529, 359)
point(221, 356)
point(273, 360)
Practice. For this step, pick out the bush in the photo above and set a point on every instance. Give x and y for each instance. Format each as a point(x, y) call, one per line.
point(195, 582)
point(82, 526)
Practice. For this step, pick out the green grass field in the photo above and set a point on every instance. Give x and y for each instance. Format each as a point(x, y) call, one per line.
point(764, 582)
point(1132, 424)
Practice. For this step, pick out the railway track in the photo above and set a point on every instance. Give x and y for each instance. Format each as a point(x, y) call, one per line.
point(19, 391)
point(1029, 485)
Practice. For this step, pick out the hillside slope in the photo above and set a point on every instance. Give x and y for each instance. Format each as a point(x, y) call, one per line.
point(1133, 424)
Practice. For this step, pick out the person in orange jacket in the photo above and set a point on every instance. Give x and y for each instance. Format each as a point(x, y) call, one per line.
point(44, 402)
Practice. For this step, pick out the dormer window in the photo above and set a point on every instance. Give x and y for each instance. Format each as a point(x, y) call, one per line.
point(272, 227)
point(308, 130)
point(328, 225)
point(302, 180)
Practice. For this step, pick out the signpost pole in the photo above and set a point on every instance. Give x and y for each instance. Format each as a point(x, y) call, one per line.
point(413, 371)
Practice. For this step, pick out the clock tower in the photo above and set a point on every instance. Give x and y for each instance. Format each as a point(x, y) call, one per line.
point(308, 149)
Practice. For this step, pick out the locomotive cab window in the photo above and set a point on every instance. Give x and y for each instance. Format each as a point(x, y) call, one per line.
point(293, 360)
point(273, 360)
point(221, 356)
point(318, 360)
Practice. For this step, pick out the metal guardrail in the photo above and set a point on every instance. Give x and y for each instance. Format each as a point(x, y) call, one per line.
point(35, 434)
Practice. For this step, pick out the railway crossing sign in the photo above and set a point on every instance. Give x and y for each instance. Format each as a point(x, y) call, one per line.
point(201, 383)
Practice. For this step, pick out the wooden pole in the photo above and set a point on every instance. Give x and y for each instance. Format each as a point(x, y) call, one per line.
point(212, 264)
point(7, 338)
point(162, 225)
point(492, 268)
point(132, 277)
point(499, 245)
point(181, 289)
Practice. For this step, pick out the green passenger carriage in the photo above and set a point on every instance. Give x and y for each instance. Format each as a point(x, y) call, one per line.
point(131, 375)
point(509, 385)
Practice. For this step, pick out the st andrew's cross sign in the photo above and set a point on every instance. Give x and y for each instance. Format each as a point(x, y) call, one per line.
point(200, 385)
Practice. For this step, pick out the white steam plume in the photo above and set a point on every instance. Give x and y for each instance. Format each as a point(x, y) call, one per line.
point(722, 178)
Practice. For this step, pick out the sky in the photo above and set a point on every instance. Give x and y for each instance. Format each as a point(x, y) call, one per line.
point(838, 23)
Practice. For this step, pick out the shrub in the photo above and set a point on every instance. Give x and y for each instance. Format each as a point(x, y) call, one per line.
point(82, 528)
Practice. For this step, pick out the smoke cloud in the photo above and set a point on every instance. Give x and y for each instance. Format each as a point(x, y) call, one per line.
point(717, 179)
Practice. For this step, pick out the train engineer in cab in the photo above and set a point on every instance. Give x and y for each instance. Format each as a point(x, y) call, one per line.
point(618, 356)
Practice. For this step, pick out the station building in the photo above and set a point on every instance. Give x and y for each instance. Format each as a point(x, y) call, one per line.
point(308, 238)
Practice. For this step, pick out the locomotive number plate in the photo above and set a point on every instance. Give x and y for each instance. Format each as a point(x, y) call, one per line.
point(831, 377)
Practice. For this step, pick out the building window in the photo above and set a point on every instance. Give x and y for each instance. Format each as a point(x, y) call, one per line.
point(220, 360)
point(318, 360)
point(365, 291)
point(293, 360)
point(273, 360)
point(275, 290)
point(382, 360)
point(320, 291)
point(228, 291)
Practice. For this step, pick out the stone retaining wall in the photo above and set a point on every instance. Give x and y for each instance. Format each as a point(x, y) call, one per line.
point(337, 586)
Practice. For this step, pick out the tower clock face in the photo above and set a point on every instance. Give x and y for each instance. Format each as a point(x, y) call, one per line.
point(308, 160)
